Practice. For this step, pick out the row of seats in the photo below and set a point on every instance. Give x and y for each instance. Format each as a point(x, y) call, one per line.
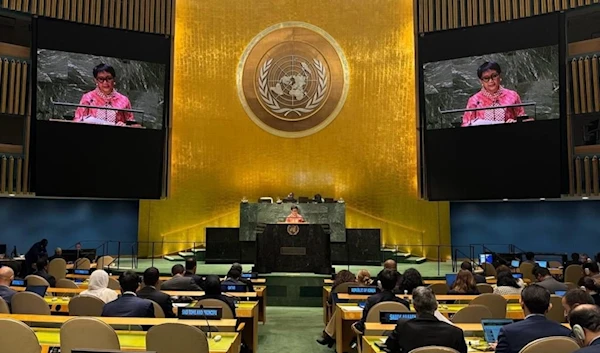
point(91, 333)
point(34, 280)
point(442, 288)
point(58, 267)
point(542, 345)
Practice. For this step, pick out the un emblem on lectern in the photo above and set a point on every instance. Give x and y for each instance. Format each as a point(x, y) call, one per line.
point(293, 229)
point(293, 79)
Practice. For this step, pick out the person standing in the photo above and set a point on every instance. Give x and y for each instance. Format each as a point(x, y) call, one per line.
point(37, 251)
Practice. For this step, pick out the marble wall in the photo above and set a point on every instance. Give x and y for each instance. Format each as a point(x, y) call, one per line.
point(533, 73)
point(65, 77)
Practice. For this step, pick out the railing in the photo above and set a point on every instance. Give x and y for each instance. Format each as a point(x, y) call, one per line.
point(458, 254)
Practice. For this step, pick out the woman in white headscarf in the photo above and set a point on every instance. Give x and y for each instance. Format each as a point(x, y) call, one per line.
point(98, 287)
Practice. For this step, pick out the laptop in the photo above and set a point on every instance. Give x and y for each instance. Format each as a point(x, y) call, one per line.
point(485, 258)
point(392, 317)
point(450, 278)
point(515, 263)
point(517, 275)
point(39, 290)
point(491, 328)
point(560, 293)
point(18, 283)
point(81, 272)
point(543, 264)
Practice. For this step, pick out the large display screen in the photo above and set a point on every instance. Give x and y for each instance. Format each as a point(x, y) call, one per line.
point(102, 106)
point(492, 111)
point(100, 90)
point(498, 88)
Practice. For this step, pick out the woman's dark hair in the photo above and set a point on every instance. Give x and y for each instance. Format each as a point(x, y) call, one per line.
point(212, 285)
point(488, 65)
point(464, 283)
point(104, 68)
point(294, 208)
point(505, 278)
point(502, 268)
point(343, 276)
point(592, 266)
point(411, 279)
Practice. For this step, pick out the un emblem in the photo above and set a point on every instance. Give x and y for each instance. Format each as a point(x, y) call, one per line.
point(293, 229)
point(293, 79)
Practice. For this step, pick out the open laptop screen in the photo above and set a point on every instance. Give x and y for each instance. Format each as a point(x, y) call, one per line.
point(39, 290)
point(491, 328)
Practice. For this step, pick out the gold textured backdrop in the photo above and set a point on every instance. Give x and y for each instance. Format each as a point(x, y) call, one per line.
point(367, 155)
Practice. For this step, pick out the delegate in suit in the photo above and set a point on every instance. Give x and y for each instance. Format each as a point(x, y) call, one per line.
point(535, 301)
point(6, 276)
point(151, 276)
point(587, 316)
point(129, 304)
point(179, 281)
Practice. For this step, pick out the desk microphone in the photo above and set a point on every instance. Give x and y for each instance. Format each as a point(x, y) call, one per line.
point(209, 334)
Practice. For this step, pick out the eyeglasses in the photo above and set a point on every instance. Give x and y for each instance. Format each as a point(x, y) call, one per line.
point(105, 79)
point(490, 77)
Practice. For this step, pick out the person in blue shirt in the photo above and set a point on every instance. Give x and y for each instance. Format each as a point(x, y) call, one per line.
point(535, 301)
point(587, 316)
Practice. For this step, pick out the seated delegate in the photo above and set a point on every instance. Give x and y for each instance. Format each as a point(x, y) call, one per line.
point(128, 304)
point(425, 329)
point(98, 287)
point(212, 290)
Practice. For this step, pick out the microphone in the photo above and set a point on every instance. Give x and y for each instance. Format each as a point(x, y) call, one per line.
point(209, 334)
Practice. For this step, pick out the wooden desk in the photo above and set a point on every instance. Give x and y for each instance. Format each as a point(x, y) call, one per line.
point(440, 298)
point(136, 340)
point(326, 293)
point(513, 310)
point(368, 344)
point(259, 292)
point(162, 278)
point(225, 325)
point(377, 329)
point(71, 266)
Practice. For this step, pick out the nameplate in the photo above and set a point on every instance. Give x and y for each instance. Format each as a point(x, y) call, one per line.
point(81, 272)
point(250, 275)
point(294, 251)
point(362, 290)
point(391, 317)
point(233, 288)
point(199, 313)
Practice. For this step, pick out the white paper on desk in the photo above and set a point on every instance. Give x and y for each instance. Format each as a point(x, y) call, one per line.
point(353, 308)
point(180, 304)
point(383, 339)
point(93, 120)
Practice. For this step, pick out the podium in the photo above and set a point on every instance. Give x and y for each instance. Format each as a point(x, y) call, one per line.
point(293, 247)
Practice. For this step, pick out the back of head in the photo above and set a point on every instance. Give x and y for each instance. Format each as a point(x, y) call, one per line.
point(529, 255)
point(234, 274)
point(502, 268)
point(536, 299)
point(388, 279)
point(411, 279)
point(44, 242)
point(151, 276)
point(466, 265)
point(41, 263)
point(177, 269)
point(589, 284)
point(58, 251)
point(129, 281)
point(237, 266)
point(576, 297)
point(506, 279)
point(98, 280)
point(343, 276)
point(590, 268)
point(424, 300)
point(587, 316)
point(540, 271)
point(212, 285)
point(465, 282)
point(6, 275)
point(190, 264)
point(390, 264)
point(363, 277)
point(575, 257)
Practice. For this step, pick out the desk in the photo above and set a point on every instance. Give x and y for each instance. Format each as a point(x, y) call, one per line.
point(225, 325)
point(136, 340)
point(71, 266)
point(368, 344)
point(162, 278)
point(440, 298)
point(326, 294)
point(377, 329)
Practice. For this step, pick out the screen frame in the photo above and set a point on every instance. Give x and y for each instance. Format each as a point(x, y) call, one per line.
point(125, 44)
point(531, 32)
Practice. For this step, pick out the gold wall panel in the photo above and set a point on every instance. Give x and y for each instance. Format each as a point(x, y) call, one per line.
point(367, 155)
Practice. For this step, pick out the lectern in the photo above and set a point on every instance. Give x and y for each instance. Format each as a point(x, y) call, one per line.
point(293, 247)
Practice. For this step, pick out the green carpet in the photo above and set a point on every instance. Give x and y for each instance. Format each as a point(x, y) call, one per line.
point(292, 330)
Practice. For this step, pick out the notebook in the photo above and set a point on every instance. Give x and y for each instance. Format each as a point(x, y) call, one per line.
point(491, 328)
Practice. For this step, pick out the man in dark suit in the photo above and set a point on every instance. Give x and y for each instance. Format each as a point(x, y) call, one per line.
point(388, 280)
point(128, 304)
point(246, 281)
point(179, 281)
point(6, 276)
point(57, 255)
point(547, 281)
point(190, 271)
point(466, 265)
point(151, 276)
point(574, 298)
point(36, 252)
point(535, 301)
point(234, 277)
point(42, 271)
point(587, 316)
point(426, 329)
point(212, 288)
